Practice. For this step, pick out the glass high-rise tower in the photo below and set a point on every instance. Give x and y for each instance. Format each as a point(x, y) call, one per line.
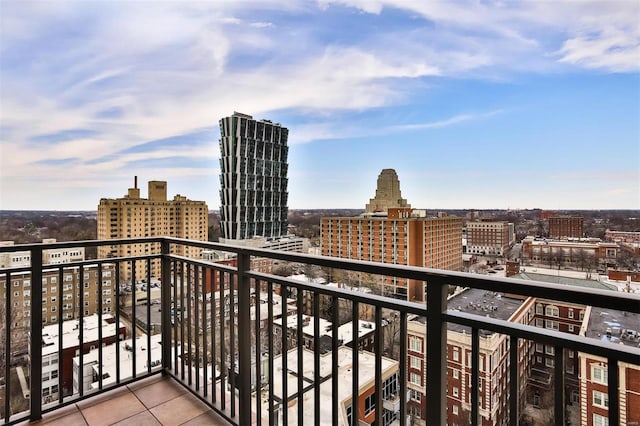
point(253, 178)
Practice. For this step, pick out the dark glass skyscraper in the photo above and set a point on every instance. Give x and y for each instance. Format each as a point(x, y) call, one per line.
point(253, 178)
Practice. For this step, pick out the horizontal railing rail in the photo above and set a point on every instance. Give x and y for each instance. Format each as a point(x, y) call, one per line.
point(251, 366)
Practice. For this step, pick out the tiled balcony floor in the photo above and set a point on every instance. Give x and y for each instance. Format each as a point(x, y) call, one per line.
point(157, 400)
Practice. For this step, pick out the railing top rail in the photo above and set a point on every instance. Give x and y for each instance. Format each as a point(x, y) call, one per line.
point(581, 343)
point(81, 243)
point(587, 296)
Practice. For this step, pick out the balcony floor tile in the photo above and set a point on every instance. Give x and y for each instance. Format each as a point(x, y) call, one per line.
point(156, 401)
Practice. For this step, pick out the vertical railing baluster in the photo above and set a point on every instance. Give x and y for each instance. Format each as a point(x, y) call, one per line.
point(436, 353)
point(558, 379)
point(134, 325)
point(285, 355)
point(378, 364)
point(271, 348)
point(334, 360)
point(118, 307)
point(180, 316)
point(100, 343)
point(7, 362)
point(148, 321)
point(189, 316)
point(244, 338)
point(514, 377)
point(316, 358)
point(355, 367)
point(221, 315)
point(475, 374)
point(35, 334)
point(299, 354)
point(233, 374)
point(165, 302)
point(213, 320)
point(196, 320)
point(81, 331)
point(613, 382)
point(257, 306)
point(175, 343)
point(60, 334)
point(403, 368)
point(205, 355)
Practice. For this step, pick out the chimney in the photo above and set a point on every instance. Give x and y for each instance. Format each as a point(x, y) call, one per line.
point(134, 193)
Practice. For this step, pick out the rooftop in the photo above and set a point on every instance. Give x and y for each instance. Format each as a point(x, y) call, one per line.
point(366, 374)
point(482, 302)
point(563, 280)
point(609, 325)
point(71, 332)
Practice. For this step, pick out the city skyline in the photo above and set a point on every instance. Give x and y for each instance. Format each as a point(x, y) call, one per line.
point(475, 105)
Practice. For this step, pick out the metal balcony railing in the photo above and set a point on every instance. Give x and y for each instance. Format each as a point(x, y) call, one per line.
point(214, 328)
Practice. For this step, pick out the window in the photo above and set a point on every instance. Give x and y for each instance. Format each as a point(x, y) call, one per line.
point(456, 391)
point(570, 313)
point(549, 350)
point(455, 410)
point(456, 374)
point(553, 325)
point(600, 399)
point(551, 311)
point(571, 328)
point(549, 362)
point(599, 420)
point(415, 362)
point(415, 344)
point(539, 347)
point(599, 374)
point(369, 404)
point(456, 354)
point(539, 323)
point(539, 309)
point(415, 379)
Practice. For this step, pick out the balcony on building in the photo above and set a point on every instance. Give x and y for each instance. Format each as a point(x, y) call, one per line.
point(162, 338)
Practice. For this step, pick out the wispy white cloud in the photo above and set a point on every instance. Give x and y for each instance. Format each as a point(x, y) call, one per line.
point(457, 119)
point(134, 72)
point(590, 34)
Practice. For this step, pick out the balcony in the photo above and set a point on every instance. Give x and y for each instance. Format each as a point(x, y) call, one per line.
point(206, 337)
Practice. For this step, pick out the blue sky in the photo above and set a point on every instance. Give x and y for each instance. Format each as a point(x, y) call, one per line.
point(475, 104)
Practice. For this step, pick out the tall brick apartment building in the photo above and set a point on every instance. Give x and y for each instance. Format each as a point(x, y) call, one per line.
point(391, 231)
point(399, 237)
point(566, 227)
point(135, 217)
point(489, 238)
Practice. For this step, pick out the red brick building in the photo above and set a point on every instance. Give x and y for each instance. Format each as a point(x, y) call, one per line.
point(399, 237)
point(566, 227)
